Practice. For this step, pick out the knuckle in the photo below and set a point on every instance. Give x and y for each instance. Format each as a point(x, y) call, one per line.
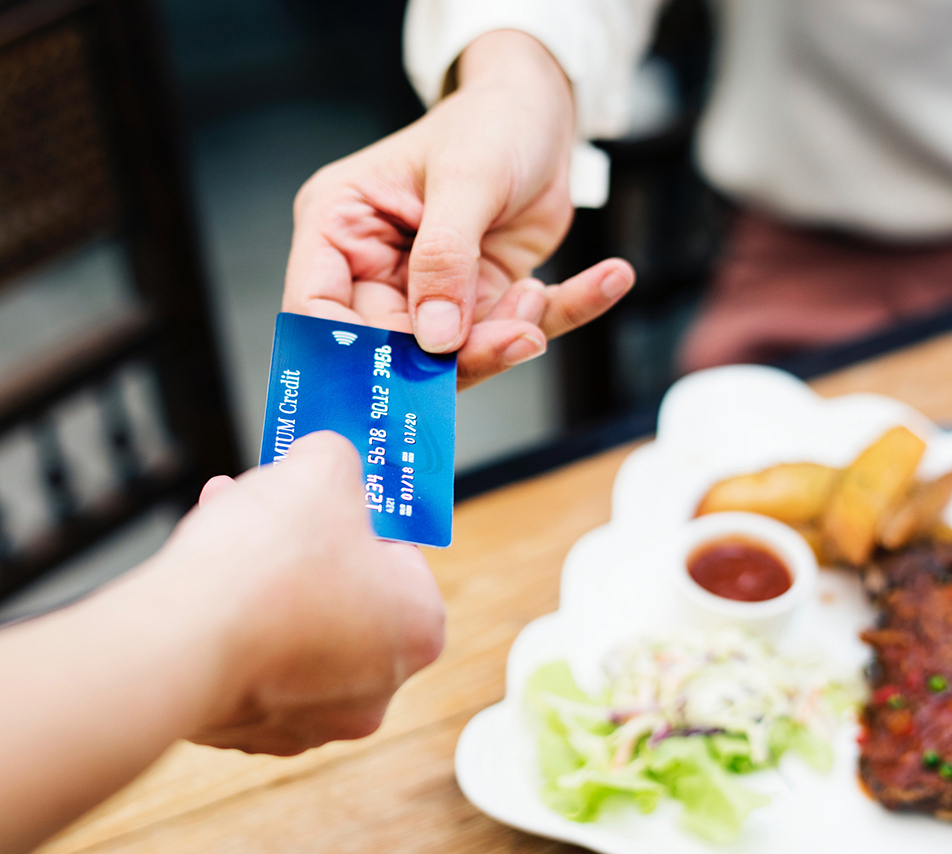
point(442, 260)
point(426, 626)
point(440, 240)
point(361, 723)
point(566, 316)
point(430, 637)
point(420, 620)
point(272, 740)
point(285, 746)
point(305, 198)
point(574, 314)
point(471, 374)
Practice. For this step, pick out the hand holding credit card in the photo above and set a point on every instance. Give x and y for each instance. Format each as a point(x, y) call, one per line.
point(393, 400)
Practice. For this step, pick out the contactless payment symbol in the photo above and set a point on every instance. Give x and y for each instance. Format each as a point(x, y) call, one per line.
point(344, 338)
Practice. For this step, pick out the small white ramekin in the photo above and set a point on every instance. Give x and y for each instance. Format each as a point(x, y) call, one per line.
point(768, 618)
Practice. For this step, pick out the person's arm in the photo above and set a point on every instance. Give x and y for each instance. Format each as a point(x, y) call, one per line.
point(437, 228)
point(595, 42)
point(272, 621)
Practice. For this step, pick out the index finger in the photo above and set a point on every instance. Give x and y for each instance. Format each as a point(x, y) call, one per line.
point(318, 280)
point(586, 296)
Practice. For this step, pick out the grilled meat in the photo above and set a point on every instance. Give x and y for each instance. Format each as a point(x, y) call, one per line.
point(906, 745)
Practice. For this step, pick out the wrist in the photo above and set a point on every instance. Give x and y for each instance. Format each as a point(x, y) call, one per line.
point(512, 60)
point(181, 634)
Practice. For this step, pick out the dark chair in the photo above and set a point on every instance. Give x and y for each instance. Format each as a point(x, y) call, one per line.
point(87, 154)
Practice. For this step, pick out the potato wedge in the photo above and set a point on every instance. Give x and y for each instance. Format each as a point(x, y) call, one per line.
point(795, 493)
point(942, 533)
point(876, 479)
point(916, 515)
point(814, 537)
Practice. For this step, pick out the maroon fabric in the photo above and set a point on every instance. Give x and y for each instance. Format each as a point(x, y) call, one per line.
point(779, 289)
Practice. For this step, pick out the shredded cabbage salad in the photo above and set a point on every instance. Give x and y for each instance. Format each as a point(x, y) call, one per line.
point(682, 716)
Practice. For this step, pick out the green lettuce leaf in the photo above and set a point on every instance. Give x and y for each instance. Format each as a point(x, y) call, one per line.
point(733, 752)
point(574, 753)
point(715, 804)
point(795, 737)
point(580, 795)
point(578, 778)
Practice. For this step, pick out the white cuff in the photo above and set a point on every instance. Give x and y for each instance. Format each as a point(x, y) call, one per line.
point(589, 175)
point(595, 41)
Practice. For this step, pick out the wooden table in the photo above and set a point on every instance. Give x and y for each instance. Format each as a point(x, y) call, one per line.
point(395, 792)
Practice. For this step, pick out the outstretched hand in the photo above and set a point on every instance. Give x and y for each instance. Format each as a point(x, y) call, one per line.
point(271, 621)
point(331, 619)
point(436, 229)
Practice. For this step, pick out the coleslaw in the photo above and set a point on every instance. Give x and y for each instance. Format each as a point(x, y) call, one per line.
point(682, 716)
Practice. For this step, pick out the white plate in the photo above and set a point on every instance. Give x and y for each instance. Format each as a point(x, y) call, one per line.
point(616, 584)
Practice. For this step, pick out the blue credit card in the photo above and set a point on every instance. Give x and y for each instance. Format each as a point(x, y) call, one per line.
point(393, 400)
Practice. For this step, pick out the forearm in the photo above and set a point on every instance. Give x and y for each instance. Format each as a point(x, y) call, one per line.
point(93, 695)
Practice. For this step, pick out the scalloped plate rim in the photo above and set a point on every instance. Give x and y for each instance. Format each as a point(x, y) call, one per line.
point(550, 636)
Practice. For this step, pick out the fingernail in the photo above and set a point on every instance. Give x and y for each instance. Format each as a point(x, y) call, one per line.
point(615, 284)
point(525, 347)
point(437, 325)
point(531, 306)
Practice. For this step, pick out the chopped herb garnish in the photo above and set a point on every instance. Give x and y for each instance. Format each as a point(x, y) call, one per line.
point(937, 683)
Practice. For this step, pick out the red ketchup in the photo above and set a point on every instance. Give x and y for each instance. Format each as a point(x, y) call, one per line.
point(739, 569)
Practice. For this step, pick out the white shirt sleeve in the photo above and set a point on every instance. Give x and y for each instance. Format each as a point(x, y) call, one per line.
point(597, 43)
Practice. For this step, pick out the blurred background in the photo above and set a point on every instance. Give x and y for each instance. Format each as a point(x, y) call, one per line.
point(149, 156)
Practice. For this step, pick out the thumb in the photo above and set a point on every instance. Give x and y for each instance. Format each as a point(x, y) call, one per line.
point(458, 207)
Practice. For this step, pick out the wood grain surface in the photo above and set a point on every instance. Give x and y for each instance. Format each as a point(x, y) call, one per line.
point(395, 792)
